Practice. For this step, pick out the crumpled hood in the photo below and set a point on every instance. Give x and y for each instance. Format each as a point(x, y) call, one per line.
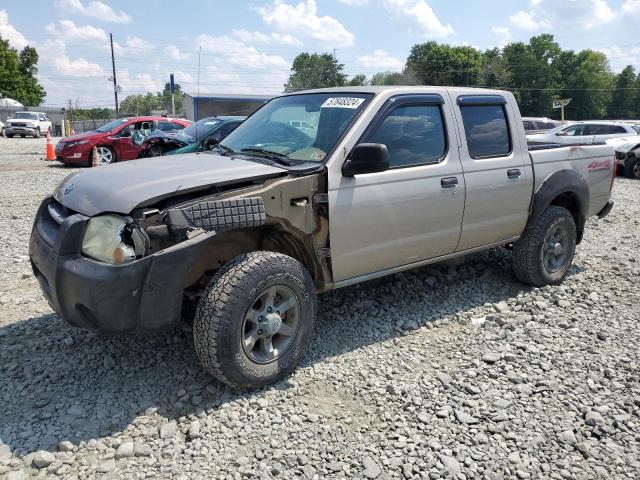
point(121, 187)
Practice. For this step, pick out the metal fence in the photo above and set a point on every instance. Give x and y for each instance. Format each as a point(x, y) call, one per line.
point(55, 114)
point(57, 117)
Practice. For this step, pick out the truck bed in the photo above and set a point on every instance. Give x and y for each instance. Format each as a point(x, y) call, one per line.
point(595, 163)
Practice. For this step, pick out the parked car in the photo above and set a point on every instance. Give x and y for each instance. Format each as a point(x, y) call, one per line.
point(534, 125)
point(395, 178)
point(33, 124)
point(628, 159)
point(1, 128)
point(116, 141)
point(199, 136)
point(586, 132)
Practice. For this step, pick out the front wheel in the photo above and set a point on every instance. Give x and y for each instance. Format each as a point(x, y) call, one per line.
point(544, 253)
point(632, 168)
point(255, 319)
point(105, 156)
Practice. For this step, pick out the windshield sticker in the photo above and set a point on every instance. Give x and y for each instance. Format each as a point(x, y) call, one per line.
point(342, 102)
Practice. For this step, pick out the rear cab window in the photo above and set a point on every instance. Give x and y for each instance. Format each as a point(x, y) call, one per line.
point(486, 125)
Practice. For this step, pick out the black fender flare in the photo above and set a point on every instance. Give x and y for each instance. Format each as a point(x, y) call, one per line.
point(558, 183)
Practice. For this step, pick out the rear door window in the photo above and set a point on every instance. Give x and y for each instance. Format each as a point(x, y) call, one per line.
point(413, 134)
point(486, 130)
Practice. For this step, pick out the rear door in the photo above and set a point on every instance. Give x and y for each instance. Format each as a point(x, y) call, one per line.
point(411, 212)
point(497, 170)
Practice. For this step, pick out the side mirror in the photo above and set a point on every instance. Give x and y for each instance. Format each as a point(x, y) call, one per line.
point(125, 133)
point(366, 158)
point(561, 133)
point(209, 143)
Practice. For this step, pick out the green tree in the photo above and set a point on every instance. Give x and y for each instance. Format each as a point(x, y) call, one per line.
point(32, 93)
point(393, 78)
point(358, 81)
point(140, 104)
point(440, 64)
point(494, 73)
point(533, 71)
point(623, 100)
point(588, 82)
point(315, 71)
point(18, 74)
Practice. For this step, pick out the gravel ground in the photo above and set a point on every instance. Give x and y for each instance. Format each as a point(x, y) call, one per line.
point(451, 371)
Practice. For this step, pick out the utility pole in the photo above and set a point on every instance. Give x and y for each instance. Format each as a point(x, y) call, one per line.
point(113, 65)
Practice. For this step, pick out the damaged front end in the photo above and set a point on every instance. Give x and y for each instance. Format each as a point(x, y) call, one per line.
point(118, 273)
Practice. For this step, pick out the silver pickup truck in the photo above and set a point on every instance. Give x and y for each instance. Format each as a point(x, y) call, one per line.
point(241, 238)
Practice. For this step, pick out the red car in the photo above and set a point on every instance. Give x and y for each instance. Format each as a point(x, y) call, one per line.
point(116, 141)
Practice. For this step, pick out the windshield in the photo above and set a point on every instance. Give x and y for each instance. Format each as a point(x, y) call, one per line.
point(302, 127)
point(111, 125)
point(26, 116)
point(202, 127)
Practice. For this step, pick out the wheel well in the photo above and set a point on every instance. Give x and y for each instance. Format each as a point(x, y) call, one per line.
point(571, 202)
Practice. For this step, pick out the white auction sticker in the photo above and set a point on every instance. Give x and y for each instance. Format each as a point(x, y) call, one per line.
point(342, 102)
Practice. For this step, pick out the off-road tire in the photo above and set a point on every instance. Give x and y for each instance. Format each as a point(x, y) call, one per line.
point(528, 261)
point(218, 325)
point(632, 168)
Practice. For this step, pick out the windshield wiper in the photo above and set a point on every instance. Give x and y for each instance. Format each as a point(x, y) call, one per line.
point(280, 158)
point(225, 150)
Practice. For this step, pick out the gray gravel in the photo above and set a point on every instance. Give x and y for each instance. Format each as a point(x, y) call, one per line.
point(451, 371)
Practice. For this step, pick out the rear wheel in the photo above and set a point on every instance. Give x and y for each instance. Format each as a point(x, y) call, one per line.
point(544, 253)
point(255, 319)
point(632, 168)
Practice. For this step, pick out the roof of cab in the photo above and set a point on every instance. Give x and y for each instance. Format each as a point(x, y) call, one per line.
point(399, 88)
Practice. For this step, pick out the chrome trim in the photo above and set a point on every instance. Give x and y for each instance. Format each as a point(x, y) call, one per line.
point(55, 213)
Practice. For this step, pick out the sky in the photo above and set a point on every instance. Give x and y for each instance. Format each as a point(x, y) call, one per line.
point(248, 46)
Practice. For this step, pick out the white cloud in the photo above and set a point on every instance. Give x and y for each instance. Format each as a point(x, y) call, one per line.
point(94, 9)
point(266, 38)
point(621, 57)
point(69, 32)
point(53, 53)
point(631, 7)
point(381, 61)
point(8, 32)
point(355, 3)
point(175, 53)
point(231, 66)
point(504, 33)
point(418, 17)
point(303, 20)
point(550, 14)
point(232, 51)
point(137, 43)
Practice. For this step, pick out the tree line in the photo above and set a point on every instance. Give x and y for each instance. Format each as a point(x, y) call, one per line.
point(18, 70)
point(537, 73)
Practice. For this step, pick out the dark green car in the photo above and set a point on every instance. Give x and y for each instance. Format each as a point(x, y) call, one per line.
point(202, 135)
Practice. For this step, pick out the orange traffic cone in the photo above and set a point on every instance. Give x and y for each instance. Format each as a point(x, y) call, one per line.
point(51, 154)
point(94, 157)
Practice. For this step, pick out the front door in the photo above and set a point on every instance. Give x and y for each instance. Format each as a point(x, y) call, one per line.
point(411, 212)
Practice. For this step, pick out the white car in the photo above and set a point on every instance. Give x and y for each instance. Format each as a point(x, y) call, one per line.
point(586, 133)
point(27, 123)
point(534, 125)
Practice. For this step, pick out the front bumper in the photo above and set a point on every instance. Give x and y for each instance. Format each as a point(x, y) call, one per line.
point(74, 155)
point(143, 295)
point(11, 130)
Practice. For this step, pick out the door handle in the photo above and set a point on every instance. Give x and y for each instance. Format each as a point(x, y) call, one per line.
point(514, 173)
point(449, 182)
